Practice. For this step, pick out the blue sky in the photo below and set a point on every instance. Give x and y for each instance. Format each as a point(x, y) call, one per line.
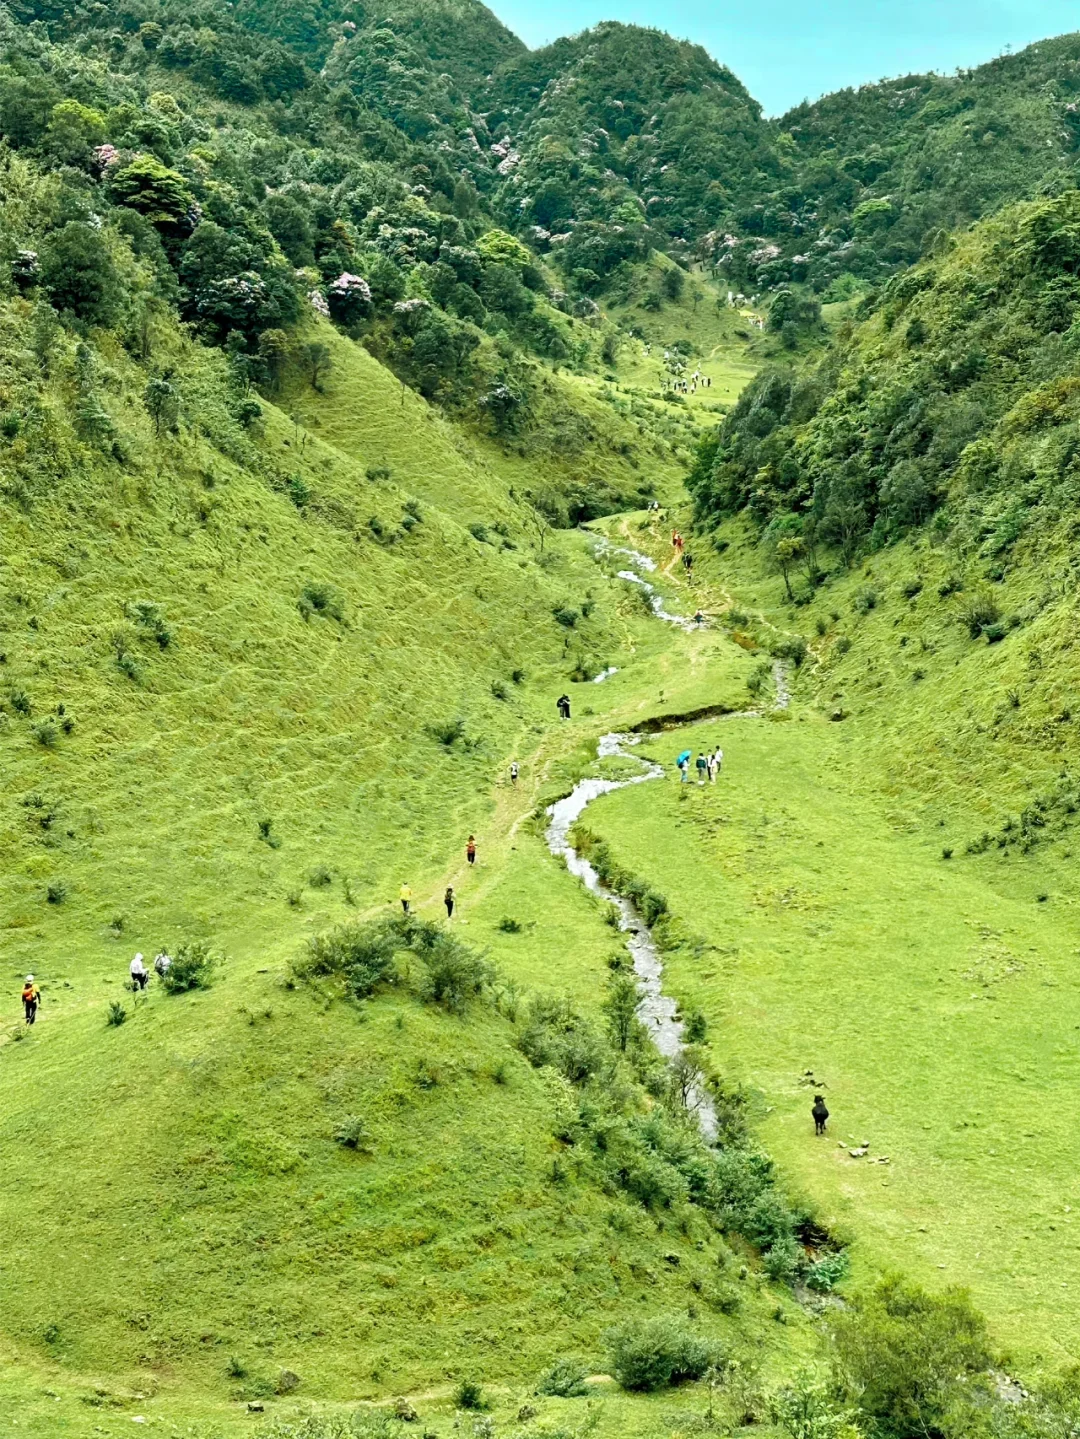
point(785, 51)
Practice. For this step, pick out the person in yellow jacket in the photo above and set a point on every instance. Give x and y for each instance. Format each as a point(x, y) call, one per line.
point(405, 895)
point(31, 998)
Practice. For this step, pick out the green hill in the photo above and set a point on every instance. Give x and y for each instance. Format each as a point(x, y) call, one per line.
point(333, 344)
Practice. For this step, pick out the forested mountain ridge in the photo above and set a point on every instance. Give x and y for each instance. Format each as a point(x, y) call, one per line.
point(953, 397)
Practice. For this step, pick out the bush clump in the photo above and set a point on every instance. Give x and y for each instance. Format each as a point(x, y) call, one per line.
point(906, 1356)
point(447, 732)
point(650, 1354)
point(193, 965)
point(360, 953)
point(564, 1380)
point(453, 972)
point(352, 1133)
point(321, 599)
point(469, 1395)
point(793, 648)
point(979, 614)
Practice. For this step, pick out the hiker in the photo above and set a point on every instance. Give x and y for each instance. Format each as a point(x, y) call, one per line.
point(688, 563)
point(139, 975)
point(162, 964)
point(684, 770)
point(820, 1114)
point(716, 760)
point(448, 900)
point(405, 895)
point(470, 849)
point(562, 704)
point(514, 772)
point(701, 764)
point(699, 618)
point(31, 998)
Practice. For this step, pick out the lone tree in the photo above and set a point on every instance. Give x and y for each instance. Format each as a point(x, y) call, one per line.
point(317, 358)
point(783, 543)
point(162, 404)
point(788, 551)
point(620, 1006)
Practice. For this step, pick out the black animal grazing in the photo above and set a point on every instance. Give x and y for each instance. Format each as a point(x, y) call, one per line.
point(820, 1114)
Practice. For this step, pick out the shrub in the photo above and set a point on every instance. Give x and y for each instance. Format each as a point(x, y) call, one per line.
point(117, 1014)
point(46, 733)
point(499, 690)
point(650, 1354)
point(454, 973)
point(555, 1035)
point(805, 1409)
point(447, 732)
point(865, 601)
point(565, 616)
point(320, 877)
point(696, 1028)
point(827, 1272)
point(298, 490)
point(905, 1354)
point(518, 676)
point(510, 926)
point(980, 613)
point(784, 1261)
point(564, 1380)
point(20, 702)
point(793, 648)
point(352, 1133)
point(360, 953)
point(951, 585)
point(479, 532)
point(321, 599)
point(469, 1395)
point(192, 967)
point(56, 892)
point(148, 616)
point(843, 644)
point(911, 587)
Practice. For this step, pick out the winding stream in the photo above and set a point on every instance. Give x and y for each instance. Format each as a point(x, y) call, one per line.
point(657, 1010)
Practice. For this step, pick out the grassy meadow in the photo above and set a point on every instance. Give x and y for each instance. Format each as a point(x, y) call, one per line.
point(933, 999)
point(264, 662)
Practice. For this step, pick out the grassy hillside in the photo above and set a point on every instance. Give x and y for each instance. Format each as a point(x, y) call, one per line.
point(885, 883)
point(254, 678)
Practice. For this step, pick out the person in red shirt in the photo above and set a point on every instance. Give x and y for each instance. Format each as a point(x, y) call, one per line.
point(470, 849)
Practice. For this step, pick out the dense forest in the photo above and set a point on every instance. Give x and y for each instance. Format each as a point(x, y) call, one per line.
point(954, 400)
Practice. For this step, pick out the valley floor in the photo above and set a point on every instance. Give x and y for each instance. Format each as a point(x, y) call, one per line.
point(934, 1005)
point(934, 1002)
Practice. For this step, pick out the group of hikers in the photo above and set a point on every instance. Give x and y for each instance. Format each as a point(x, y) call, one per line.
point(140, 976)
point(708, 766)
point(139, 973)
point(678, 544)
point(405, 894)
